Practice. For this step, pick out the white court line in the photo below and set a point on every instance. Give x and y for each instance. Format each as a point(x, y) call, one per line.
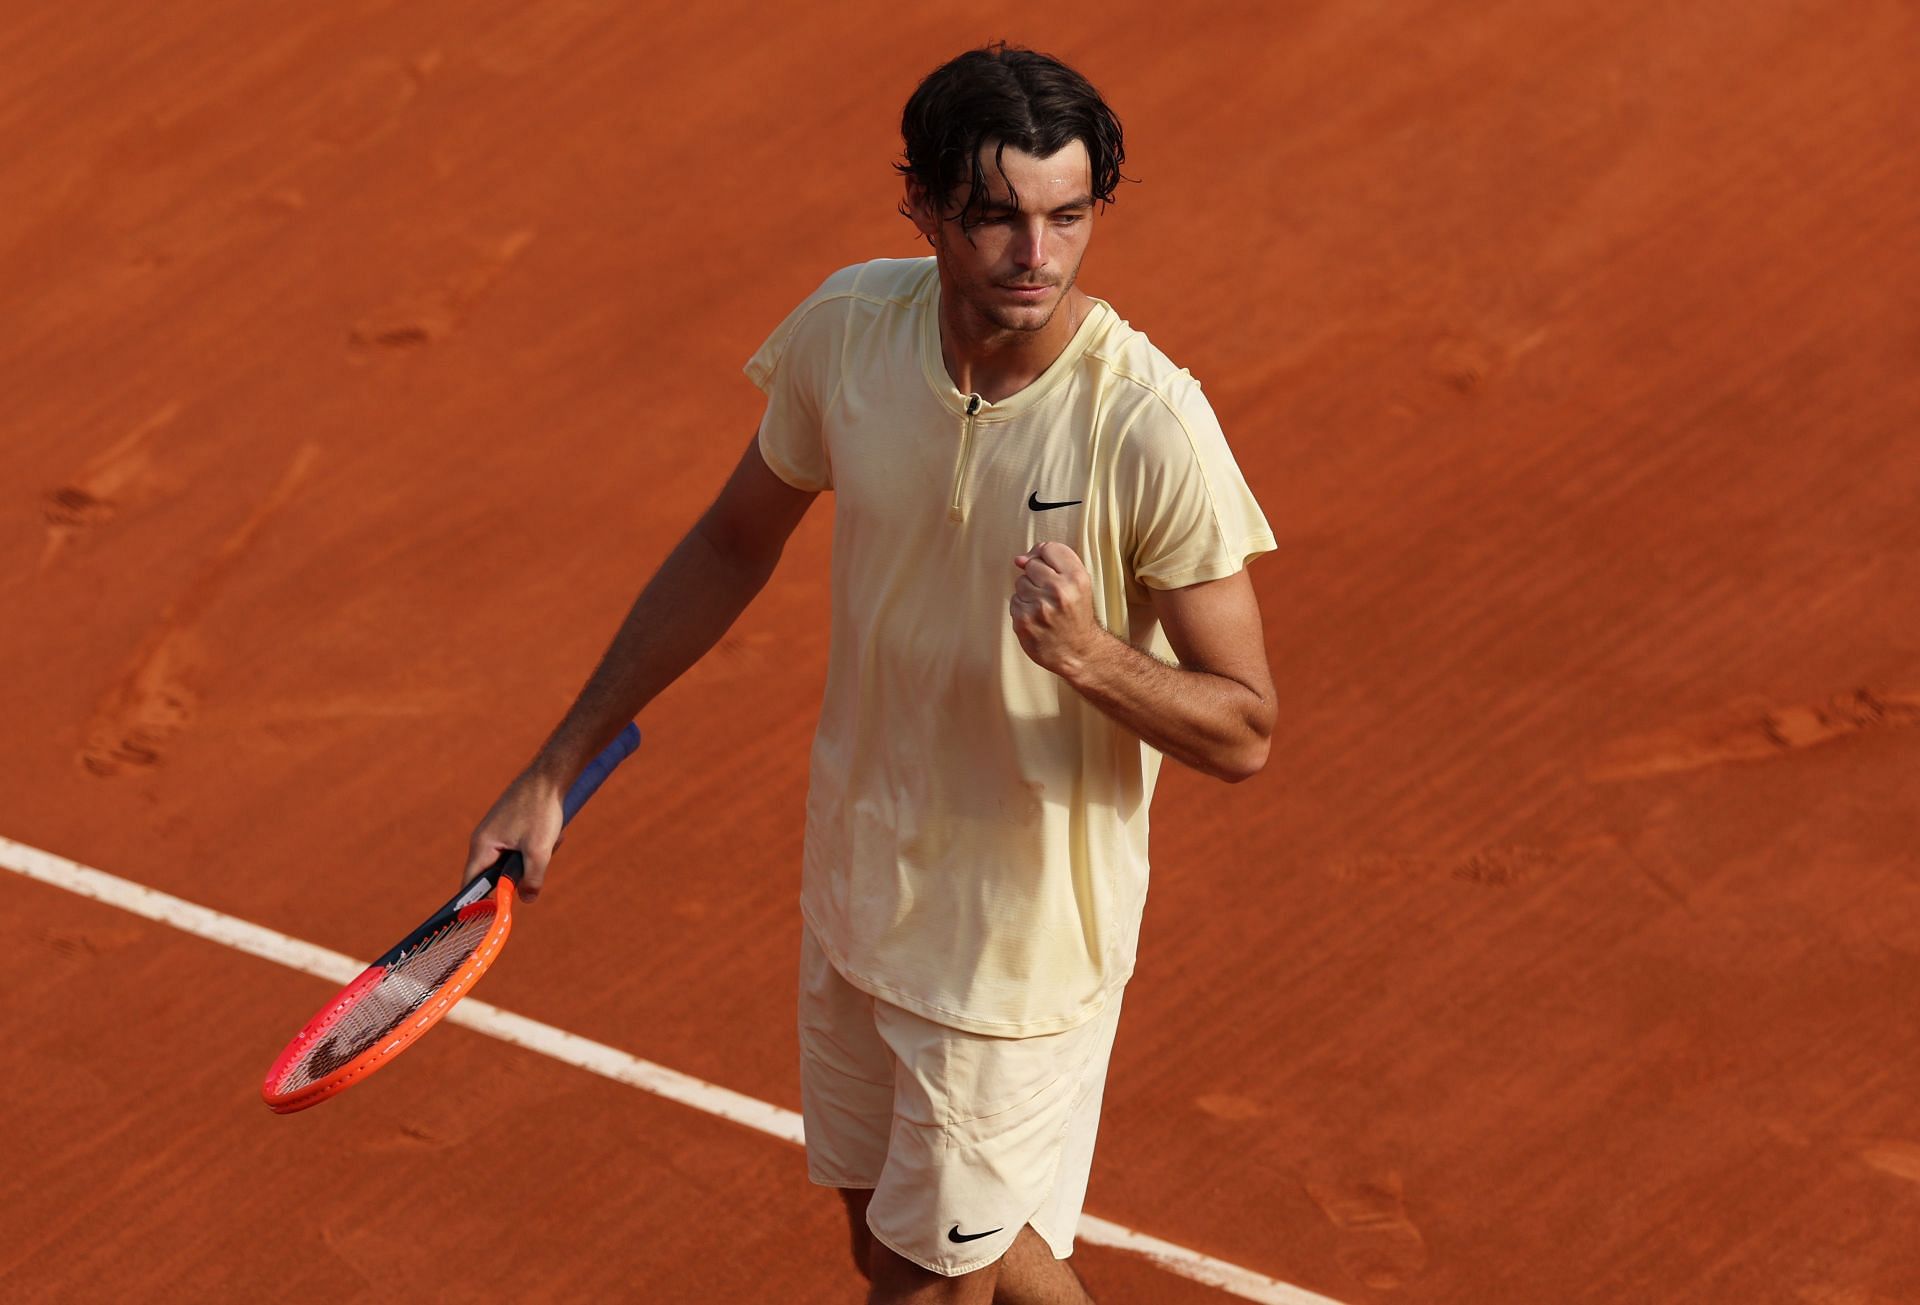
point(595, 1057)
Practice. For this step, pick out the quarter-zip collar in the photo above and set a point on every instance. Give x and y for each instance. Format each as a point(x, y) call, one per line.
point(957, 507)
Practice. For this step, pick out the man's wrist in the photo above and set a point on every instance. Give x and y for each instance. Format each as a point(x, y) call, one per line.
point(1093, 664)
point(553, 767)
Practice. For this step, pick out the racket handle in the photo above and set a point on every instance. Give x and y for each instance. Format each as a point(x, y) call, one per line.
point(598, 769)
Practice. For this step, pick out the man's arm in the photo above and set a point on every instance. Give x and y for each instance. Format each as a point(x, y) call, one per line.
point(698, 592)
point(1215, 711)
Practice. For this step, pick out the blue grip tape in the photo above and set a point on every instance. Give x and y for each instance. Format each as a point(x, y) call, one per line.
point(598, 769)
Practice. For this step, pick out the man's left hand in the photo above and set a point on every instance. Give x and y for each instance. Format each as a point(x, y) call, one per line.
point(1052, 608)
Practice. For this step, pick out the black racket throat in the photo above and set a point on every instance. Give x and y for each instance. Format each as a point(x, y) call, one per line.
point(510, 866)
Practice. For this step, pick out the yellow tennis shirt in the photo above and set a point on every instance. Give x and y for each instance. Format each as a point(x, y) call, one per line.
point(976, 846)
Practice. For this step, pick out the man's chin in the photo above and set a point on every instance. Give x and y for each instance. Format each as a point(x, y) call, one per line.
point(1034, 318)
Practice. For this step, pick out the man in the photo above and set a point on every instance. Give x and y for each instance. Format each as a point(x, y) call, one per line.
point(1034, 513)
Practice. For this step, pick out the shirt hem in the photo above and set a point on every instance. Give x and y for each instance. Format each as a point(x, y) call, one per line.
point(961, 1020)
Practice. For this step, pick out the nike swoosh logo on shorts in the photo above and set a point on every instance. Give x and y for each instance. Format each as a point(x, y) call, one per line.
point(955, 1235)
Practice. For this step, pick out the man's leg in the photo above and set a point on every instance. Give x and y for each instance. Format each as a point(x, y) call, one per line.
point(859, 1238)
point(1029, 1275)
point(899, 1281)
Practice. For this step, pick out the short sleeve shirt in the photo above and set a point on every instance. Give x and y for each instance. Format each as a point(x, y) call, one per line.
point(976, 845)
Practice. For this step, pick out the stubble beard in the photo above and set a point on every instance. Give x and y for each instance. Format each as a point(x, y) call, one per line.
point(1010, 318)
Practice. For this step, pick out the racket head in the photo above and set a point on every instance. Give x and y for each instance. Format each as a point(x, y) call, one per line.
point(399, 997)
point(409, 989)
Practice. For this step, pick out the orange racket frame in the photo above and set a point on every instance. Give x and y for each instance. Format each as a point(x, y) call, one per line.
point(500, 901)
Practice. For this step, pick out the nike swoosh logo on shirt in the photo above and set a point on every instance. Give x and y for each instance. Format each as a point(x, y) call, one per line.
point(955, 1235)
point(1034, 502)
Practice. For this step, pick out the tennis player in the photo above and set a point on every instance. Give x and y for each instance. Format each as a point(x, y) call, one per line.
point(1039, 588)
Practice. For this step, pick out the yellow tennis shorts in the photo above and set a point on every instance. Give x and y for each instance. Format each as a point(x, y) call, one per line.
point(964, 1138)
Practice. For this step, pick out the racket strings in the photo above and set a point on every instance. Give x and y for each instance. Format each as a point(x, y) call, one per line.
point(380, 1009)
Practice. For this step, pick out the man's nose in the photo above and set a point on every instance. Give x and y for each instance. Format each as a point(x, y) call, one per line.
point(1030, 246)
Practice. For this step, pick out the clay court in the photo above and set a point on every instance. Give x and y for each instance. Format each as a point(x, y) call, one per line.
point(362, 360)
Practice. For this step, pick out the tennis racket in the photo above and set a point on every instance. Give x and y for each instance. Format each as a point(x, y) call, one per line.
point(408, 990)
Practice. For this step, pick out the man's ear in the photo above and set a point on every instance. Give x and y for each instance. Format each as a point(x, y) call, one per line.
point(920, 209)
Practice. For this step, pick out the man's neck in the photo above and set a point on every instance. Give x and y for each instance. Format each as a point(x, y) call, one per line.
point(996, 363)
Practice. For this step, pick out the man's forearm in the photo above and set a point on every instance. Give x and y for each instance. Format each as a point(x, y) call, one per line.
point(698, 592)
point(1212, 723)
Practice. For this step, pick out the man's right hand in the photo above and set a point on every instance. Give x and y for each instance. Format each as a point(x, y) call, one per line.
point(528, 817)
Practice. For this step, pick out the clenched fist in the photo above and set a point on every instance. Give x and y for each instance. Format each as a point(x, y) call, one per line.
point(1052, 608)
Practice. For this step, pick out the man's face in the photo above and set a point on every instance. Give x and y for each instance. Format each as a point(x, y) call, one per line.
point(1013, 266)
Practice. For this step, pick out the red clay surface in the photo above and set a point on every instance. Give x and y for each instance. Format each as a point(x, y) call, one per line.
point(362, 360)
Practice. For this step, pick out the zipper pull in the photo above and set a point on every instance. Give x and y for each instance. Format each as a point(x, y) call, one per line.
point(973, 404)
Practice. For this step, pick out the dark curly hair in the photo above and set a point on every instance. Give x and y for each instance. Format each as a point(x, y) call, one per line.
point(1011, 95)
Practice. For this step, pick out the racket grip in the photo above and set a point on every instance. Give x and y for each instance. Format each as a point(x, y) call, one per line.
point(598, 769)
